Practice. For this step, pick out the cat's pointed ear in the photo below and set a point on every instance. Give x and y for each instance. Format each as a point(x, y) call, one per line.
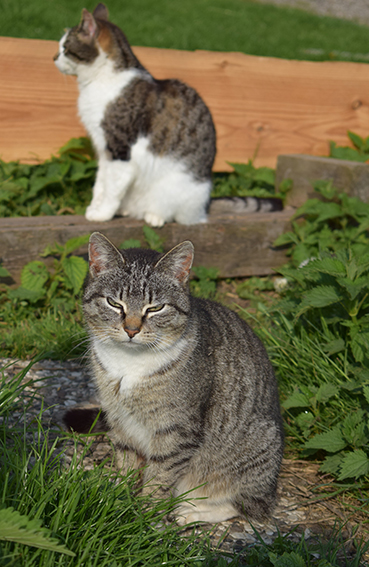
point(102, 255)
point(88, 26)
point(101, 12)
point(178, 261)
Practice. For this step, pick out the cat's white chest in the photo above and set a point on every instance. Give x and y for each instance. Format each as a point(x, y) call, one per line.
point(125, 367)
point(99, 85)
point(126, 363)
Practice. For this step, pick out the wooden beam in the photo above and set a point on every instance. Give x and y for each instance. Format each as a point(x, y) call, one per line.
point(259, 104)
point(238, 245)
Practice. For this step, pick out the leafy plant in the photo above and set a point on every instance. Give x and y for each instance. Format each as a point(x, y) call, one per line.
point(327, 300)
point(248, 181)
point(205, 282)
point(19, 528)
point(61, 185)
point(253, 288)
point(44, 313)
point(151, 239)
point(57, 286)
point(154, 241)
point(333, 222)
point(360, 151)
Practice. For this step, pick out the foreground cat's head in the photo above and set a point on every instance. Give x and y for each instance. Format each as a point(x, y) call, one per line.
point(92, 42)
point(137, 297)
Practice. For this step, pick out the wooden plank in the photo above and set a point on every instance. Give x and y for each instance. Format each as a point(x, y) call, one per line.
point(270, 105)
point(351, 177)
point(238, 245)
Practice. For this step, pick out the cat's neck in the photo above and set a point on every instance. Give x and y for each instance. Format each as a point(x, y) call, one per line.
point(103, 74)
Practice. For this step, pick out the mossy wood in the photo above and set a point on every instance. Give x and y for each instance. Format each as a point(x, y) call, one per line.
point(238, 245)
point(264, 105)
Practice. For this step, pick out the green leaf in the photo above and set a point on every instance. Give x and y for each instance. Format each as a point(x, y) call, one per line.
point(366, 393)
point(23, 294)
point(74, 243)
point(331, 441)
point(130, 243)
point(296, 400)
point(325, 188)
point(330, 266)
point(357, 140)
point(287, 559)
point(80, 145)
point(266, 175)
point(332, 463)
point(34, 275)
point(76, 269)
point(345, 152)
point(20, 529)
point(320, 296)
point(153, 239)
point(325, 392)
point(4, 273)
point(354, 465)
point(332, 347)
point(286, 238)
point(353, 288)
point(305, 420)
point(243, 169)
point(359, 343)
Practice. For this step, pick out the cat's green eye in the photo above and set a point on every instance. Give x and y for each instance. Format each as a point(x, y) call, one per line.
point(154, 308)
point(114, 304)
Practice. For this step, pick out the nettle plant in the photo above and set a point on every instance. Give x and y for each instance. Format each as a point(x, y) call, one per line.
point(58, 186)
point(246, 180)
point(360, 151)
point(335, 221)
point(57, 286)
point(327, 300)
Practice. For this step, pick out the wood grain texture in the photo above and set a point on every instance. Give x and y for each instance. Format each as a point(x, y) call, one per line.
point(238, 245)
point(270, 105)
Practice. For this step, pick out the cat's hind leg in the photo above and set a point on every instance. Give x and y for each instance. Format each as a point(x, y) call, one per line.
point(114, 177)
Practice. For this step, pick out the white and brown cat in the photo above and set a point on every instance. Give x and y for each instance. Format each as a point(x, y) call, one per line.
point(154, 139)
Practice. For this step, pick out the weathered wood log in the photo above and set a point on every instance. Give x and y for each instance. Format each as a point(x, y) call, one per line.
point(238, 245)
point(270, 105)
point(351, 177)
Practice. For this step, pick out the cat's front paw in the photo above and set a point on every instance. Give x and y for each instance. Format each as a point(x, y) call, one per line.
point(98, 214)
point(154, 220)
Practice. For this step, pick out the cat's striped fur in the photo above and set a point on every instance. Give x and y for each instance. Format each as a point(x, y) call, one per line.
point(155, 139)
point(185, 385)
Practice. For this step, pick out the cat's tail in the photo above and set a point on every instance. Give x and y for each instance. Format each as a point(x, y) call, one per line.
point(86, 419)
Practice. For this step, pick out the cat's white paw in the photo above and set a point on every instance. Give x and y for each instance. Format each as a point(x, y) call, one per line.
point(98, 215)
point(203, 513)
point(154, 220)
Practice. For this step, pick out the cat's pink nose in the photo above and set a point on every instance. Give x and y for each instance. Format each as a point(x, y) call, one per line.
point(131, 332)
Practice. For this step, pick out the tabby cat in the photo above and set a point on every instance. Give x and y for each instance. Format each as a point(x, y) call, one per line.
point(185, 385)
point(155, 140)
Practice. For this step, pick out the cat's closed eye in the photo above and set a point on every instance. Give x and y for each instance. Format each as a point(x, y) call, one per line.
point(115, 304)
point(155, 308)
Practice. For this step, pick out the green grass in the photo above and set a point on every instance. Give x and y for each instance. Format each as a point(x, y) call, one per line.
point(217, 25)
point(51, 514)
